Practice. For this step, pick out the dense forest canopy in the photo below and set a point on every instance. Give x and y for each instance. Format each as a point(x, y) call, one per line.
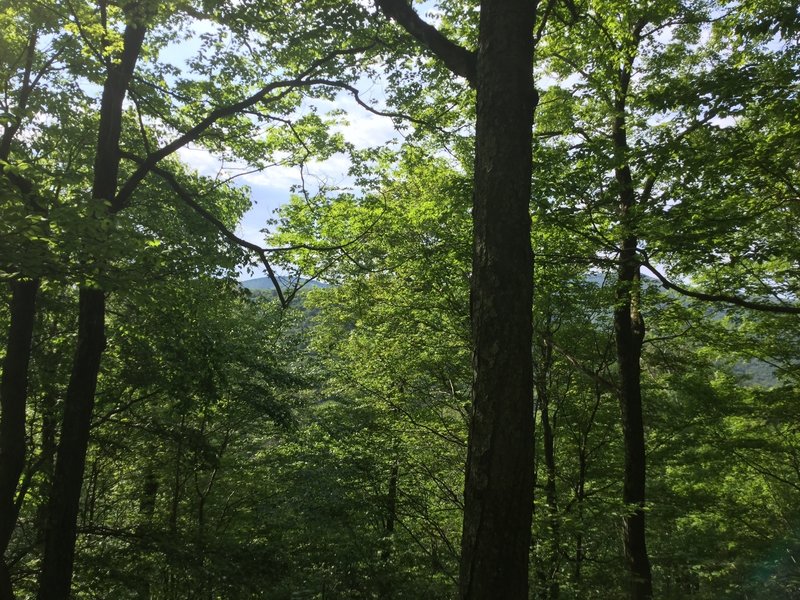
point(542, 345)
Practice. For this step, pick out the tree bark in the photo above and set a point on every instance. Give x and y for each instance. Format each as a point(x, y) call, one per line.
point(498, 492)
point(580, 487)
point(59, 548)
point(13, 400)
point(62, 510)
point(47, 459)
point(629, 330)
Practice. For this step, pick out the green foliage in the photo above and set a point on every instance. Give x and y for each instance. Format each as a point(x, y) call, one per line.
point(242, 451)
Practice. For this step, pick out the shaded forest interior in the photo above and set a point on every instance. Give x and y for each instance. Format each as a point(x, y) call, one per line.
point(542, 343)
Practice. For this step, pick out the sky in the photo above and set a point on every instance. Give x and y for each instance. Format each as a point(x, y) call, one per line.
point(272, 187)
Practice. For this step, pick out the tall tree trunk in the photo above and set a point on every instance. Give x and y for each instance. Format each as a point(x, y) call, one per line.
point(13, 399)
point(391, 509)
point(630, 330)
point(580, 487)
point(47, 457)
point(543, 368)
point(59, 549)
point(14, 382)
point(149, 495)
point(498, 495)
point(177, 480)
point(580, 495)
point(62, 510)
point(385, 583)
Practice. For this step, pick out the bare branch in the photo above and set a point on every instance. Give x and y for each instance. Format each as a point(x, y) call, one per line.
point(357, 97)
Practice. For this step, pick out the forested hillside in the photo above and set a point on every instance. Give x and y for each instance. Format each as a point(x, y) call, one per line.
point(545, 343)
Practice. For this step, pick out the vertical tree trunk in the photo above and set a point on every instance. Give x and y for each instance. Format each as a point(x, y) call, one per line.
point(56, 575)
point(499, 480)
point(147, 501)
point(147, 508)
point(580, 495)
point(385, 583)
point(175, 503)
point(580, 488)
point(544, 364)
point(630, 330)
point(47, 458)
point(391, 509)
point(14, 382)
point(13, 399)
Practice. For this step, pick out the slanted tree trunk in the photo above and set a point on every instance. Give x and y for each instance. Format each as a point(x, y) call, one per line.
point(62, 510)
point(629, 331)
point(59, 550)
point(498, 493)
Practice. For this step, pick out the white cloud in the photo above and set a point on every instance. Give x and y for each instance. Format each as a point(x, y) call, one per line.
point(201, 160)
point(272, 187)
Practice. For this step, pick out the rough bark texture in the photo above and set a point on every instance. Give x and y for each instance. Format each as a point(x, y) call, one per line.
point(13, 398)
point(498, 492)
point(499, 480)
point(630, 330)
point(59, 548)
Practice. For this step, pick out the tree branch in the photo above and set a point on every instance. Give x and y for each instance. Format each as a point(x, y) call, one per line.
point(458, 59)
point(785, 309)
point(594, 376)
point(302, 80)
point(188, 199)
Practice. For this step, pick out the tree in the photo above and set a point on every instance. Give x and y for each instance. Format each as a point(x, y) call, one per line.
point(71, 455)
point(499, 483)
point(196, 446)
point(27, 69)
point(630, 129)
point(111, 195)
